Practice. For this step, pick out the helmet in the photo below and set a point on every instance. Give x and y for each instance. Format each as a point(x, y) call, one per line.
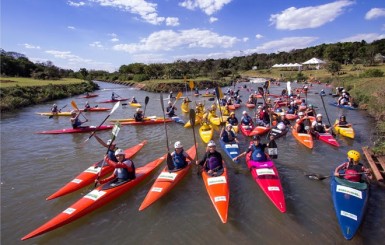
point(109, 141)
point(119, 152)
point(259, 107)
point(292, 103)
point(283, 113)
point(178, 144)
point(278, 110)
point(211, 143)
point(343, 91)
point(342, 117)
point(229, 126)
point(343, 94)
point(244, 112)
point(87, 102)
point(322, 90)
point(54, 105)
point(138, 109)
point(319, 115)
point(169, 103)
point(73, 112)
point(355, 155)
point(133, 97)
point(300, 113)
point(310, 106)
point(268, 99)
point(232, 113)
point(256, 137)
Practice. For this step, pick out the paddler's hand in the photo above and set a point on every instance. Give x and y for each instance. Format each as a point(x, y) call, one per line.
point(96, 182)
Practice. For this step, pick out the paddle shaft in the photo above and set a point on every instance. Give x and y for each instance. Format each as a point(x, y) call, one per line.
point(320, 177)
point(169, 160)
point(327, 116)
point(219, 105)
point(101, 167)
point(260, 90)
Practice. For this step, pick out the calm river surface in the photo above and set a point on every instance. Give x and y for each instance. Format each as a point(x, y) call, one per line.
point(34, 166)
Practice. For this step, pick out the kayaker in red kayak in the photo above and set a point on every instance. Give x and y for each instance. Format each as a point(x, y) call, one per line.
point(228, 136)
point(139, 117)
point(257, 150)
point(75, 121)
point(124, 170)
point(179, 157)
point(246, 120)
point(353, 169)
point(111, 147)
point(113, 96)
point(87, 106)
point(212, 161)
point(318, 126)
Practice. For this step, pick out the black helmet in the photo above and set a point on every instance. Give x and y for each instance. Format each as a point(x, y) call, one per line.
point(256, 137)
point(342, 117)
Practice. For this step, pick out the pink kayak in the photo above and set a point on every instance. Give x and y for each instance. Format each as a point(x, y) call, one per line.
point(327, 138)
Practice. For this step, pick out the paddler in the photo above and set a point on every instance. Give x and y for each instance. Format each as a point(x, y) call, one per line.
point(212, 160)
point(124, 169)
point(246, 120)
point(75, 121)
point(54, 109)
point(232, 119)
point(138, 116)
point(353, 169)
point(179, 156)
point(342, 122)
point(228, 136)
point(110, 145)
point(170, 110)
point(133, 100)
point(318, 126)
point(257, 150)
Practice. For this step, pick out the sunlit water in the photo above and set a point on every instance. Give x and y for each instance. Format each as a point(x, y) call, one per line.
point(34, 166)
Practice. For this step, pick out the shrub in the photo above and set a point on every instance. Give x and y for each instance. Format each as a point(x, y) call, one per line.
point(372, 73)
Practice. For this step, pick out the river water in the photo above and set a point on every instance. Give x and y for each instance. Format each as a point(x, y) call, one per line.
point(33, 166)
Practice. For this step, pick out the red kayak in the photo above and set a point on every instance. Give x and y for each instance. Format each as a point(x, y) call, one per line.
point(95, 109)
point(166, 181)
point(259, 130)
point(266, 175)
point(86, 129)
point(95, 199)
point(89, 96)
point(113, 101)
point(246, 130)
point(89, 175)
point(146, 122)
point(327, 138)
point(251, 106)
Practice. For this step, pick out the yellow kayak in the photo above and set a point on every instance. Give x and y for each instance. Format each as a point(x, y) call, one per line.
point(235, 128)
point(346, 131)
point(137, 105)
point(198, 119)
point(206, 132)
point(60, 114)
point(185, 106)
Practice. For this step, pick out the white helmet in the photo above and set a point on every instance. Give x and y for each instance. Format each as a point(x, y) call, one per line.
point(137, 109)
point(292, 103)
point(283, 113)
point(300, 113)
point(244, 112)
point(268, 99)
point(119, 152)
point(259, 107)
point(169, 103)
point(343, 91)
point(178, 144)
point(54, 105)
point(319, 115)
point(211, 143)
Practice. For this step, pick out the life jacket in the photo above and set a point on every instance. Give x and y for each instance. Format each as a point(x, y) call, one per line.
point(258, 153)
point(179, 160)
point(171, 111)
point(228, 136)
point(342, 123)
point(138, 117)
point(261, 113)
point(123, 173)
point(213, 163)
point(246, 120)
point(319, 127)
point(352, 171)
point(76, 123)
point(232, 121)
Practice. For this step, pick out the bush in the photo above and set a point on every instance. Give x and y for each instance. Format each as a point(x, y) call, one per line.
point(140, 77)
point(372, 73)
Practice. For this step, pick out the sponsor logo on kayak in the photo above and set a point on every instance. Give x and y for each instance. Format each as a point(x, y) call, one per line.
point(349, 215)
point(92, 170)
point(69, 211)
point(264, 171)
point(167, 175)
point(349, 191)
point(77, 181)
point(156, 189)
point(216, 180)
point(95, 195)
point(220, 199)
point(273, 188)
point(234, 152)
point(232, 146)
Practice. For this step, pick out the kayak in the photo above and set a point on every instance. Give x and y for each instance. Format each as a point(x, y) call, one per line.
point(251, 106)
point(231, 149)
point(277, 133)
point(95, 199)
point(185, 107)
point(206, 132)
point(350, 201)
point(177, 119)
point(215, 120)
point(113, 101)
point(165, 181)
point(89, 175)
point(304, 138)
point(198, 119)
point(59, 114)
point(137, 105)
point(147, 122)
point(89, 96)
point(219, 192)
point(208, 95)
point(95, 109)
point(246, 130)
point(86, 129)
point(346, 131)
point(343, 106)
point(259, 130)
point(327, 138)
point(131, 119)
point(266, 175)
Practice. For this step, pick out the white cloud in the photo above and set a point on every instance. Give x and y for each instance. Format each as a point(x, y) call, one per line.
point(172, 21)
point(213, 19)
point(368, 37)
point(114, 37)
point(169, 40)
point(309, 17)
point(114, 40)
point(209, 7)
point(245, 39)
point(284, 44)
point(258, 36)
point(73, 4)
point(30, 46)
point(71, 27)
point(96, 44)
point(375, 13)
point(147, 11)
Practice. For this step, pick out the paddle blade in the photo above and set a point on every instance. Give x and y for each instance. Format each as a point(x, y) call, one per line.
point(317, 176)
point(146, 100)
point(260, 90)
point(179, 95)
point(191, 84)
point(74, 105)
point(192, 117)
point(161, 103)
point(170, 163)
point(217, 92)
point(116, 106)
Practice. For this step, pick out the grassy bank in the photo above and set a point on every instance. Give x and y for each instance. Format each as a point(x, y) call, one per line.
point(21, 92)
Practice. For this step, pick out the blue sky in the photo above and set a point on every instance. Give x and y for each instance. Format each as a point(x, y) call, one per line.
point(105, 34)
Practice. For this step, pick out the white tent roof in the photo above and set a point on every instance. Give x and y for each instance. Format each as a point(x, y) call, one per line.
point(314, 61)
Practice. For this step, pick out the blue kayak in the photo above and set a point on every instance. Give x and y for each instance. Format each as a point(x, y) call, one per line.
point(343, 106)
point(350, 201)
point(232, 150)
point(177, 120)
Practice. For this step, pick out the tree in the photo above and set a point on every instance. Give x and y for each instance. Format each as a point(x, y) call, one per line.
point(333, 67)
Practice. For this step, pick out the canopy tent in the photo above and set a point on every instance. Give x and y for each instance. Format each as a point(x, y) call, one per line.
point(314, 61)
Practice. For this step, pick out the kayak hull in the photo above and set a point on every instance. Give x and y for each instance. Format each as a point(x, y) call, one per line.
point(344, 131)
point(232, 150)
point(246, 130)
point(259, 130)
point(348, 107)
point(113, 101)
point(206, 133)
point(304, 138)
point(95, 199)
point(147, 122)
point(328, 139)
point(77, 130)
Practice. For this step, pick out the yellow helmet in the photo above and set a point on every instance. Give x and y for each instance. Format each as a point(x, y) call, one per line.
point(232, 113)
point(355, 155)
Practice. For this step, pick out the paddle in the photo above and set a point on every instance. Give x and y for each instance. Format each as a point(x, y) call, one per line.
point(305, 91)
point(75, 106)
point(179, 94)
point(217, 93)
point(51, 116)
point(272, 148)
point(191, 85)
point(260, 90)
point(170, 163)
point(115, 132)
point(105, 119)
point(145, 104)
point(327, 116)
point(322, 177)
point(192, 122)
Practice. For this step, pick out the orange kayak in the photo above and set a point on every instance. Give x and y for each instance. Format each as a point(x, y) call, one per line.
point(218, 189)
point(305, 138)
point(259, 130)
point(89, 175)
point(165, 182)
point(95, 199)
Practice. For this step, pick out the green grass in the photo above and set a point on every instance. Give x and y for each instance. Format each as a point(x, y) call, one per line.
point(6, 82)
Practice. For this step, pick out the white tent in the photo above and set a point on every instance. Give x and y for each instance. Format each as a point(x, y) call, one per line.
point(314, 61)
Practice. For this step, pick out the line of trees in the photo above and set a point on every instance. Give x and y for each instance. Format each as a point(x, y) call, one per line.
point(15, 64)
